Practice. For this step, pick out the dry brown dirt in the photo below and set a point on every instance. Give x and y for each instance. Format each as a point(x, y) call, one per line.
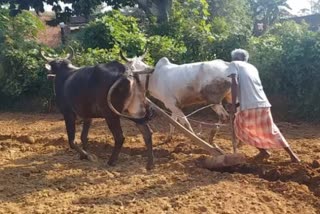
point(39, 174)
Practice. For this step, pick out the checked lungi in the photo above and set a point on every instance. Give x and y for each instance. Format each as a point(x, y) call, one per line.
point(256, 127)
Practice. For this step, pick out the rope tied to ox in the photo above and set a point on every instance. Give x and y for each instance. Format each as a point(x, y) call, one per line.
point(215, 126)
point(197, 121)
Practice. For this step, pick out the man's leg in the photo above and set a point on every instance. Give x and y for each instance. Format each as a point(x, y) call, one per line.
point(287, 148)
point(263, 155)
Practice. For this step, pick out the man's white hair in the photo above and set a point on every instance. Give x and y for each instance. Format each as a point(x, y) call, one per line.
point(240, 55)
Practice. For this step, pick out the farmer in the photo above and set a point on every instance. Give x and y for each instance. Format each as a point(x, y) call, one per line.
point(253, 123)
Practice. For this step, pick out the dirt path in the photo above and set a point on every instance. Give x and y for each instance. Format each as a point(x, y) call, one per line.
point(39, 174)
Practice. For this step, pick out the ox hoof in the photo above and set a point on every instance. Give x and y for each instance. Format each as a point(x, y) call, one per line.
point(89, 157)
point(72, 147)
point(111, 163)
point(83, 156)
point(92, 158)
point(150, 166)
point(85, 148)
point(168, 140)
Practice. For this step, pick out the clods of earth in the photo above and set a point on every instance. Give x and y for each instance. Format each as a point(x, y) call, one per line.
point(40, 174)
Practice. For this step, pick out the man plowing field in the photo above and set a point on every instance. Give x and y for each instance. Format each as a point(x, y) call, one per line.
point(253, 123)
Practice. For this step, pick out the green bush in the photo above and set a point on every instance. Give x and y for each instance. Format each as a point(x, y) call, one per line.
point(95, 56)
point(202, 38)
point(22, 72)
point(113, 29)
point(161, 46)
point(288, 60)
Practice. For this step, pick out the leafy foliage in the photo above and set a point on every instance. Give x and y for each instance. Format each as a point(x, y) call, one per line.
point(266, 12)
point(286, 54)
point(112, 29)
point(17, 29)
point(287, 58)
point(83, 7)
point(22, 71)
point(237, 15)
point(161, 46)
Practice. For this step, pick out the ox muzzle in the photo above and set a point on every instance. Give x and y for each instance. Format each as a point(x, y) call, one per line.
point(140, 120)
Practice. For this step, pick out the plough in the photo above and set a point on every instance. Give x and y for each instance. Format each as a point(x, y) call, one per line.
point(219, 158)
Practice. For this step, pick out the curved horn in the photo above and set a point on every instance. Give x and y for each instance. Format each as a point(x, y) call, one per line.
point(49, 59)
point(70, 55)
point(144, 54)
point(113, 108)
point(123, 57)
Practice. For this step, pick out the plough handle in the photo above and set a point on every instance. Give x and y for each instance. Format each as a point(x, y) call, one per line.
point(233, 135)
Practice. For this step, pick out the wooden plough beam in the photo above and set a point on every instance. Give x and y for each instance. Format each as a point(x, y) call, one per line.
point(213, 150)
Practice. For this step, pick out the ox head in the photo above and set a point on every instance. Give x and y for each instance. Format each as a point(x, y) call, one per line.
point(137, 64)
point(135, 106)
point(56, 65)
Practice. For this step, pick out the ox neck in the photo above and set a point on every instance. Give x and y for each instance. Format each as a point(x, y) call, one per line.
point(62, 76)
point(60, 80)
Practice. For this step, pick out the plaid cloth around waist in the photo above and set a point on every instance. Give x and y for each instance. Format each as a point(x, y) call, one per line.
point(256, 127)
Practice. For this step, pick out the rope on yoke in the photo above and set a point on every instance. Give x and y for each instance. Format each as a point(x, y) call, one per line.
point(200, 109)
point(208, 124)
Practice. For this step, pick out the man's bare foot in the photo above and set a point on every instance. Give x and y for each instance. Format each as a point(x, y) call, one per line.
point(263, 155)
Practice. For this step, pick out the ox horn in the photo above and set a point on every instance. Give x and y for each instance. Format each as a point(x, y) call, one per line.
point(123, 57)
point(113, 108)
point(71, 54)
point(144, 54)
point(49, 59)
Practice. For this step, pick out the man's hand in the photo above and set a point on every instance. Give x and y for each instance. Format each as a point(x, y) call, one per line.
point(231, 108)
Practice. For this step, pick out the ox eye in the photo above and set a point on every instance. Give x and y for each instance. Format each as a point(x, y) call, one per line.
point(48, 67)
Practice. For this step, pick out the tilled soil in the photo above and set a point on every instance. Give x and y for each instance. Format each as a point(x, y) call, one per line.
point(40, 174)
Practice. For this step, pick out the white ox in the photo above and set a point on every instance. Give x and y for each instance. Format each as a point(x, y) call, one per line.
point(178, 86)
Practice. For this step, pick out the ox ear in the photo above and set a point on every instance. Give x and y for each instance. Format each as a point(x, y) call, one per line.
point(48, 67)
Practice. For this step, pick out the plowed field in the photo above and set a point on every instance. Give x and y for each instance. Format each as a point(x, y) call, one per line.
point(39, 174)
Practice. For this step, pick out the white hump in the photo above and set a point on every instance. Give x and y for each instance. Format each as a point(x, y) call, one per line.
point(163, 61)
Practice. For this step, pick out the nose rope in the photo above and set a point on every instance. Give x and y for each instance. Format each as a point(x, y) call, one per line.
point(54, 88)
point(147, 82)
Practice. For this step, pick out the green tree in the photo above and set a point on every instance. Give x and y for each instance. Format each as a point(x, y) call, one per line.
point(315, 6)
point(236, 14)
point(22, 71)
point(158, 8)
point(287, 58)
point(113, 28)
point(18, 29)
point(266, 13)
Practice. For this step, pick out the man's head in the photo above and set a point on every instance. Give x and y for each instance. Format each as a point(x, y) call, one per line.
point(240, 55)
